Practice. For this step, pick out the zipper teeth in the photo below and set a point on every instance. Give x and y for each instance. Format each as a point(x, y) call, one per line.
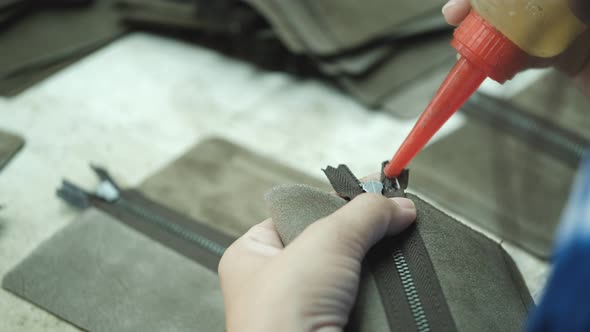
point(410, 291)
point(533, 127)
point(173, 228)
point(522, 122)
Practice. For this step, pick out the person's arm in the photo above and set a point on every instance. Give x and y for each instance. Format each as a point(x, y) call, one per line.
point(312, 284)
point(575, 61)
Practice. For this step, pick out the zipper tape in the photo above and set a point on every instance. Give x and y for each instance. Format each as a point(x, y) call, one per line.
point(411, 294)
point(190, 238)
point(537, 132)
point(407, 283)
point(174, 230)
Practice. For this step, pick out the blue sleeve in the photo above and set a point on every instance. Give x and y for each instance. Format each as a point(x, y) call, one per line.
point(565, 304)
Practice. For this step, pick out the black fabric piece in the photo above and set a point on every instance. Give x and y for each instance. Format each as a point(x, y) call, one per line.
point(343, 181)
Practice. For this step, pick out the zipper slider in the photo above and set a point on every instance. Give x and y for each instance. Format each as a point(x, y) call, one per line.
point(107, 190)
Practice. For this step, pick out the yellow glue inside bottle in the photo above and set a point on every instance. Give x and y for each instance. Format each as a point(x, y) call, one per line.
point(542, 28)
point(495, 40)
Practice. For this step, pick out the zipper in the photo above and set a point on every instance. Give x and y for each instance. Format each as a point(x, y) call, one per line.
point(559, 142)
point(173, 228)
point(410, 293)
point(178, 232)
point(409, 286)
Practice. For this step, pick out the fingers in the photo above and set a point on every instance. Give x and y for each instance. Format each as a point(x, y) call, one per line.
point(456, 10)
point(356, 227)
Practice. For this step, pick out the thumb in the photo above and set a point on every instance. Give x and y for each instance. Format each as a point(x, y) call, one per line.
point(355, 228)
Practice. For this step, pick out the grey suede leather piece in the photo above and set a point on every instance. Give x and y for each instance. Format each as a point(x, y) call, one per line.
point(332, 26)
point(504, 186)
point(556, 98)
point(54, 37)
point(221, 184)
point(102, 276)
point(364, 46)
point(480, 283)
point(10, 144)
point(410, 99)
point(357, 63)
point(293, 208)
point(412, 61)
point(483, 290)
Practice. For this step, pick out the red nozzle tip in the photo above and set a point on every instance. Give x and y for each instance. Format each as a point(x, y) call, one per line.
point(459, 85)
point(485, 52)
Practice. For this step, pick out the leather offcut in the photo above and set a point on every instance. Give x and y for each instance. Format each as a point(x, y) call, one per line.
point(500, 175)
point(205, 185)
point(483, 289)
point(102, 276)
point(323, 27)
point(73, 32)
point(106, 276)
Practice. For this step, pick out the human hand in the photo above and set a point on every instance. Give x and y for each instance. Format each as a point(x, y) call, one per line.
point(575, 61)
point(312, 284)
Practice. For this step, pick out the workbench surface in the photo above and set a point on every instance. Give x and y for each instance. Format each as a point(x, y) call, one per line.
point(139, 103)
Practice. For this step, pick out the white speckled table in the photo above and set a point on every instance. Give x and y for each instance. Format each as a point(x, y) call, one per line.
point(141, 102)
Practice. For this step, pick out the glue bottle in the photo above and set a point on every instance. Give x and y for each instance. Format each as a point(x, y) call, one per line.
point(495, 40)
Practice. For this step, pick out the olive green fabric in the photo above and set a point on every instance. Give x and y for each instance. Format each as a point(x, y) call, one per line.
point(327, 27)
point(513, 187)
point(411, 67)
point(221, 184)
point(498, 182)
point(484, 290)
point(44, 40)
point(101, 275)
point(556, 98)
point(10, 144)
point(410, 99)
point(358, 63)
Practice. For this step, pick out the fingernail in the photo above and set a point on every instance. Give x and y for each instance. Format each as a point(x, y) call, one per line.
point(448, 5)
point(405, 203)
